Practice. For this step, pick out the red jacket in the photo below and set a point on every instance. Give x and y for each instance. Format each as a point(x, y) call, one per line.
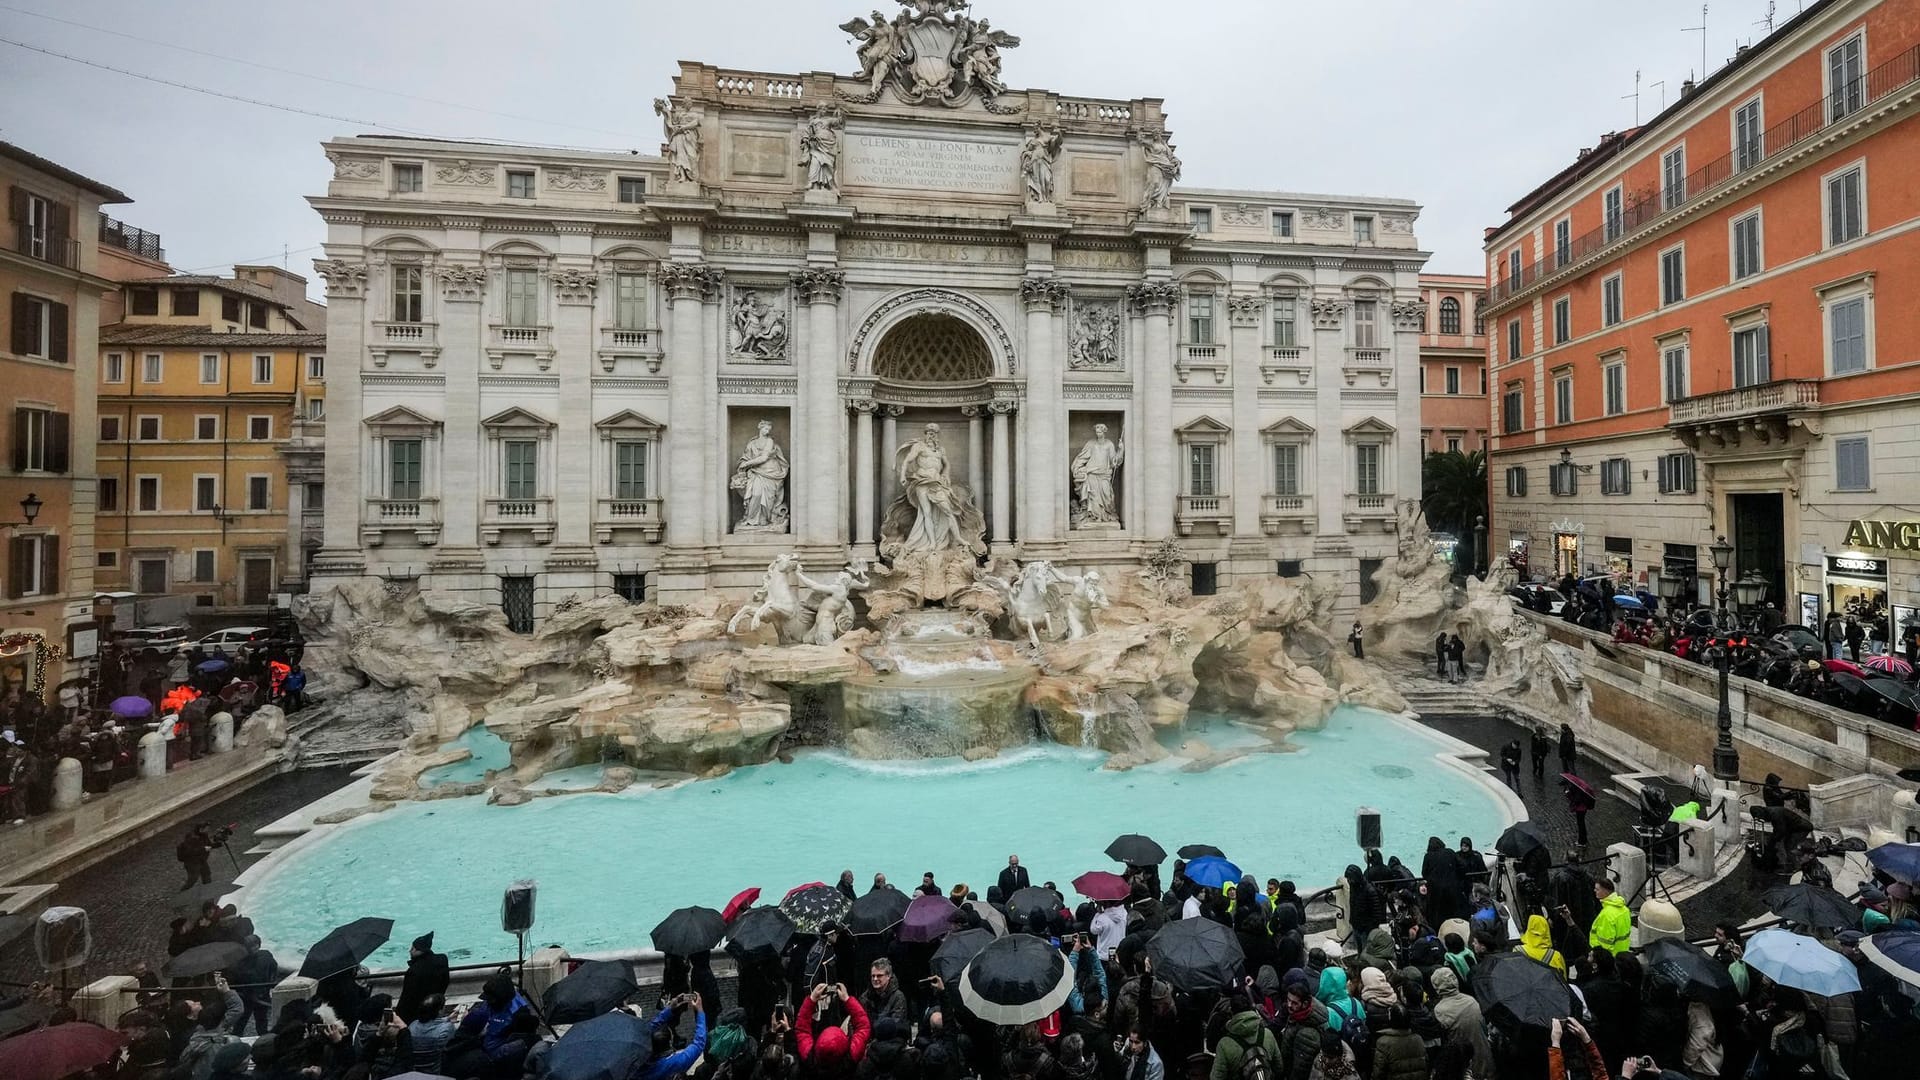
point(834, 1049)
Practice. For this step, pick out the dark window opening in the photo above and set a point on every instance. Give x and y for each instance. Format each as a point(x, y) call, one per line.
point(1369, 590)
point(630, 587)
point(516, 601)
point(1205, 579)
point(1288, 568)
point(143, 301)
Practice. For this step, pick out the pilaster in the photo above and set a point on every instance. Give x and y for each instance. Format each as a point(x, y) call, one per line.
point(687, 285)
point(574, 288)
point(346, 345)
point(821, 494)
point(1041, 517)
point(1155, 300)
point(462, 476)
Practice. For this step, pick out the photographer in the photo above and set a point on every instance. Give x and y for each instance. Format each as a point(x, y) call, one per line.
point(831, 1052)
point(192, 853)
point(664, 1062)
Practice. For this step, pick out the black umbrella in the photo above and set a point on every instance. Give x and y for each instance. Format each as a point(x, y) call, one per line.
point(1895, 691)
point(1814, 906)
point(1136, 850)
point(205, 959)
point(1695, 974)
point(1034, 907)
point(1516, 990)
point(192, 901)
point(878, 911)
point(957, 950)
point(595, 987)
point(1851, 685)
point(1197, 954)
point(761, 932)
point(1017, 979)
point(815, 906)
point(689, 930)
point(607, 1047)
point(345, 947)
point(1198, 851)
point(1521, 839)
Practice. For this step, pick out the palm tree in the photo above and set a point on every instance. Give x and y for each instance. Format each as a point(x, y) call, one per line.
point(1453, 490)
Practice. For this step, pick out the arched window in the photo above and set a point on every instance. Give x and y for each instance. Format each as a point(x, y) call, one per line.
point(1449, 316)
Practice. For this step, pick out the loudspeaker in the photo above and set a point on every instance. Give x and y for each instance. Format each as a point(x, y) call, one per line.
point(516, 907)
point(1366, 827)
point(62, 938)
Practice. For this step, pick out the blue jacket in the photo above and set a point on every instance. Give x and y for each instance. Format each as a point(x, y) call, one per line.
point(680, 1060)
point(1083, 961)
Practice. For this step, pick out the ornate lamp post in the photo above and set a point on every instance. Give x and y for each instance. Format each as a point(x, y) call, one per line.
point(29, 506)
point(1668, 585)
point(1480, 546)
point(1750, 591)
point(1726, 759)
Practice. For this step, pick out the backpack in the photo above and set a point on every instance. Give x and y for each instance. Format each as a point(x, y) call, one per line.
point(1353, 1028)
point(1254, 1064)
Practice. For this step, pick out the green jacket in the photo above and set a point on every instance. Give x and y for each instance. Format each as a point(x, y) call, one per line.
point(1399, 1054)
point(1613, 927)
point(1244, 1030)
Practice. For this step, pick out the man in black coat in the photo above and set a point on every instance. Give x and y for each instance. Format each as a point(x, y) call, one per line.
point(427, 975)
point(1013, 878)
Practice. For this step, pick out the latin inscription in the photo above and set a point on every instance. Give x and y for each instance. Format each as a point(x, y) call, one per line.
point(756, 244)
point(1097, 260)
point(932, 251)
point(913, 163)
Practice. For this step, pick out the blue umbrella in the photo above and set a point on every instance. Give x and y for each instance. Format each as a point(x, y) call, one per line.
point(213, 665)
point(1794, 960)
point(606, 1047)
point(1212, 871)
point(1625, 601)
point(1896, 952)
point(131, 707)
point(1900, 860)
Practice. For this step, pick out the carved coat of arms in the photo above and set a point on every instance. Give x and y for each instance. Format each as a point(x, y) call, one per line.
point(930, 52)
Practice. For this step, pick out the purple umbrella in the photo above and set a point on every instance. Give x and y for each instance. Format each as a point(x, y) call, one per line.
point(927, 918)
point(131, 707)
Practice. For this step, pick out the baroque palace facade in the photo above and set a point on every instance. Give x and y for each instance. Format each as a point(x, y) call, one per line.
point(562, 373)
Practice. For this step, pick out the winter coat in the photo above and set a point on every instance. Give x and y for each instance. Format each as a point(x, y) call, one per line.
point(1398, 1054)
point(1460, 1014)
point(1613, 927)
point(1244, 1031)
point(890, 1055)
point(832, 1050)
point(890, 1004)
point(1378, 951)
point(196, 1061)
point(1341, 1008)
point(678, 1062)
point(427, 975)
point(1537, 944)
point(1446, 889)
point(1299, 1049)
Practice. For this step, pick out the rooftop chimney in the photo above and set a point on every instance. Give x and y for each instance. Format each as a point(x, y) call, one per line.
point(1686, 89)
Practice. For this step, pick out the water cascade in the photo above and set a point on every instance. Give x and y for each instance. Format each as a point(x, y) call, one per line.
point(940, 688)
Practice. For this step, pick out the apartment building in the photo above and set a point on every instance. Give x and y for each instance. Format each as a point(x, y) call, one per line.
point(1453, 364)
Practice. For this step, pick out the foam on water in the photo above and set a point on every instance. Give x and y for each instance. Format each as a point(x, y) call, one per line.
point(610, 866)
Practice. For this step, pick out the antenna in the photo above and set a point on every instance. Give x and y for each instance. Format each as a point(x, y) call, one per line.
point(1635, 96)
point(1702, 30)
point(1662, 84)
point(1768, 21)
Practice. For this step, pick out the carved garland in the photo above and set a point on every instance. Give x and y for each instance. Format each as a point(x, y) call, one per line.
point(459, 281)
point(574, 286)
point(1409, 314)
point(1328, 312)
point(1246, 310)
point(931, 300)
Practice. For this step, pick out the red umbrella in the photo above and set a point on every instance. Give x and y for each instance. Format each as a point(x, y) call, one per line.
point(1584, 787)
point(1888, 663)
point(740, 903)
point(59, 1051)
point(1101, 885)
point(1847, 666)
point(801, 888)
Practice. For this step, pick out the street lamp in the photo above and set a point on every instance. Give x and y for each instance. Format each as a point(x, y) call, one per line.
point(30, 507)
point(1726, 759)
point(1751, 590)
point(1668, 585)
point(1480, 546)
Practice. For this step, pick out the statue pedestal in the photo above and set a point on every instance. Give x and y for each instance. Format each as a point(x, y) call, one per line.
point(821, 197)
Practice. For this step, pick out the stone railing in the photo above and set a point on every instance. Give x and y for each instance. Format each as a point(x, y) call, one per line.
point(616, 338)
point(1368, 512)
point(1366, 357)
point(406, 333)
point(1093, 109)
point(522, 337)
point(1785, 395)
point(422, 516)
point(1213, 511)
point(645, 515)
point(1278, 512)
point(1287, 365)
point(535, 514)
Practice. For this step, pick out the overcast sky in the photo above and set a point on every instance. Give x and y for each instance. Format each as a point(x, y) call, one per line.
point(1461, 105)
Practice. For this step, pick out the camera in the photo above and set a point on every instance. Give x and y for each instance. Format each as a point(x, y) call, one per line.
point(217, 834)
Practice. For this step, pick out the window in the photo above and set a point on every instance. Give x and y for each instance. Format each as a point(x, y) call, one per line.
point(1282, 223)
point(35, 569)
point(1673, 178)
point(403, 469)
point(316, 367)
point(260, 428)
point(1746, 245)
point(1200, 469)
point(630, 301)
point(1204, 578)
point(1362, 229)
point(1563, 479)
point(209, 369)
point(206, 428)
point(633, 189)
point(1562, 242)
point(109, 429)
point(1610, 303)
point(1846, 78)
point(316, 408)
point(520, 480)
point(1673, 372)
point(1676, 473)
point(1453, 380)
point(407, 294)
point(523, 298)
point(1563, 320)
point(36, 236)
point(206, 492)
point(1563, 399)
point(1201, 218)
point(1513, 340)
point(152, 575)
point(259, 493)
point(1748, 146)
point(1751, 364)
point(109, 494)
point(115, 368)
point(147, 429)
point(1516, 481)
point(1287, 568)
point(257, 316)
point(262, 369)
point(630, 587)
point(1851, 471)
point(1512, 410)
point(1846, 205)
point(1483, 382)
point(143, 301)
point(1449, 316)
point(1613, 383)
point(147, 492)
point(1479, 317)
point(1673, 275)
point(106, 560)
point(1366, 469)
point(42, 441)
point(186, 301)
point(1453, 444)
point(407, 179)
point(40, 328)
point(204, 564)
point(1366, 322)
point(519, 184)
point(1286, 469)
point(1847, 336)
point(1284, 313)
point(150, 367)
point(230, 308)
point(1513, 269)
point(1200, 319)
point(1614, 212)
point(630, 470)
point(1616, 476)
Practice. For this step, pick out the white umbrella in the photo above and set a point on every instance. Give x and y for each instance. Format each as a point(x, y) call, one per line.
point(1798, 961)
point(1017, 979)
point(1896, 952)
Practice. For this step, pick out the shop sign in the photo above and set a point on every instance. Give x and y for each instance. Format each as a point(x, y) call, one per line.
point(1856, 566)
point(1885, 535)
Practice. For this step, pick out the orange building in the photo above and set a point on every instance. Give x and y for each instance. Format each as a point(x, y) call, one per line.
point(1705, 327)
point(1453, 364)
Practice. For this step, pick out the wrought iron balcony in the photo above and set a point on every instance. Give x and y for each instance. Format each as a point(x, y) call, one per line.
point(119, 234)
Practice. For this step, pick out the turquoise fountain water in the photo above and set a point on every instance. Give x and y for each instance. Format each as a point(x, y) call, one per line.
point(490, 753)
point(611, 866)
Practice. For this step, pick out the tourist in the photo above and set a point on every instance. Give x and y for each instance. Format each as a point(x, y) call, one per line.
point(1356, 638)
point(1536, 942)
point(879, 883)
point(1140, 1061)
point(1246, 1034)
point(1398, 1054)
point(432, 1027)
point(845, 885)
point(1446, 890)
point(883, 998)
point(1613, 926)
point(1541, 745)
point(1580, 804)
point(1510, 764)
point(832, 1051)
point(1457, 658)
point(1013, 877)
point(192, 851)
point(1856, 635)
point(927, 886)
point(487, 1040)
point(1440, 655)
point(427, 976)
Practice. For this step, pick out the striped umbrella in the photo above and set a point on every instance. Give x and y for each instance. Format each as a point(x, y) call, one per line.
point(1888, 663)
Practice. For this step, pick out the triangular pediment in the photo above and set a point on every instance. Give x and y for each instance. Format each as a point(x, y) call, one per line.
point(1372, 425)
point(400, 416)
point(517, 417)
point(1286, 426)
point(626, 420)
point(1205, 425)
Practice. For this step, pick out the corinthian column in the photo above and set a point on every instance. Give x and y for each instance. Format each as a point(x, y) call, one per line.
point(1040, 502)
point(1155, 300)
point(863, 478)
point(687, 284)
point(820, 495)
point(1002, 474)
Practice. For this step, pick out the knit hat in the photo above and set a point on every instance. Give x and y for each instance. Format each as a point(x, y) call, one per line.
point(1297, 977)
point(424, 942)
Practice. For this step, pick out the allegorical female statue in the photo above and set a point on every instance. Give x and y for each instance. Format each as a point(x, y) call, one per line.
point(761, 480)
point(1095, 469)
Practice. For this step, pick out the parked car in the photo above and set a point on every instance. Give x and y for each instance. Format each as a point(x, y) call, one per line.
point(1530, 594)
point(228, 639)
point(152, 641)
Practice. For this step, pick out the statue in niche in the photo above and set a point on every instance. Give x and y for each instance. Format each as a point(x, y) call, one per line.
point(759, 328)
point(1163, 168)
point(1095, 470)
point(683, 141)
point(761, 480)
point(820, 148)
point(1088, 596)
point(943, 516)
point(1037, 156)
point(1096, 337)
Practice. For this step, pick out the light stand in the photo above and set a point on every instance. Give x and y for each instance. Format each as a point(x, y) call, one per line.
point(1726, 759)
point(1480, 546)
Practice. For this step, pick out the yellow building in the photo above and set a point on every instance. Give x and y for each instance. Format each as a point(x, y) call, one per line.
point(211, 404)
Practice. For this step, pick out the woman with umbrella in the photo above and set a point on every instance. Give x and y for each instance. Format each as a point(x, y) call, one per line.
point(1581, 800)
